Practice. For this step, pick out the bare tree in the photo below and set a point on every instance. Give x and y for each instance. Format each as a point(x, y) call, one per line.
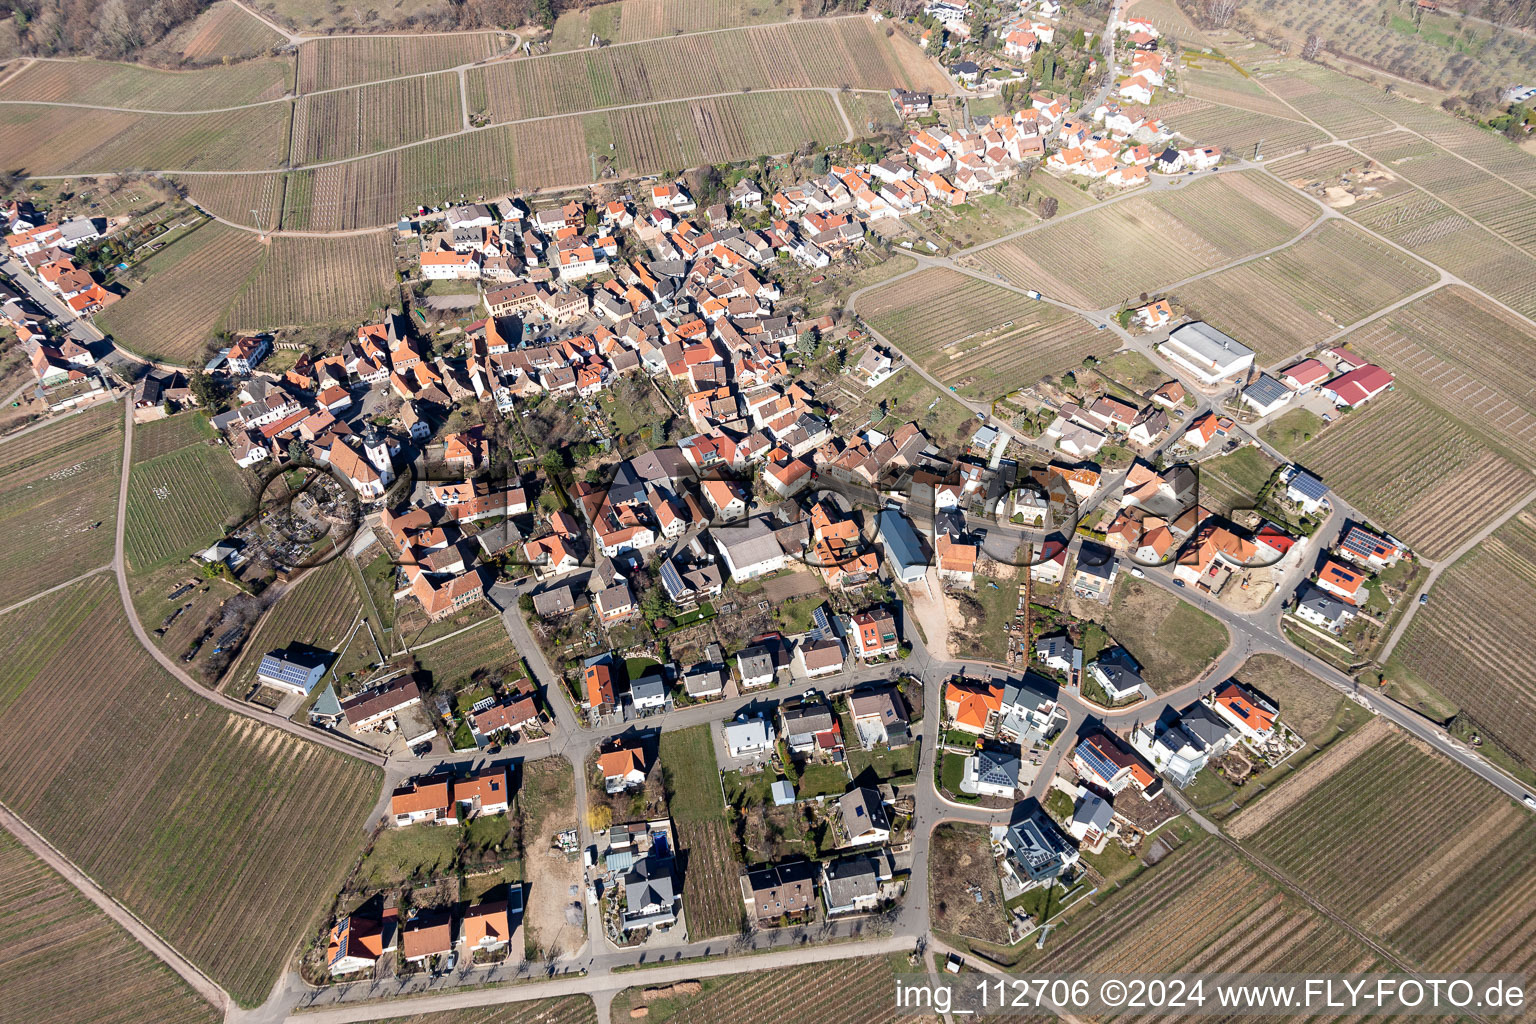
point(1218, 13)
point(1313, 45)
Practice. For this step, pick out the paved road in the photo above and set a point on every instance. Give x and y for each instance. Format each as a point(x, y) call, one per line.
point(120, 566)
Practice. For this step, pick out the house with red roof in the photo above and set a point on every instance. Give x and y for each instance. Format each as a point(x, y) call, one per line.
point(1344, 583)
point(1253, 716)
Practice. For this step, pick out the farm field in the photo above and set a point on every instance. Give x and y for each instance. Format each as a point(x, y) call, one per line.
point(1324, 163)
point(1287, 302)
point(1464, 646)
point(1171, 21)
point(1231, 482)
point(1239, 132)
point(352, 60)
point(711, 890)
point(1475, 362)
point(65, 960)
point(56, 484)
point(835, 991)
point(319, 611)
point(652, 19)
point(191, 816)
point(826, 54)
point(223, 30)
point(1337, 110)
point(355, 122)
point(1216, 83)
point(1463, 897)
point(316, 280)
point(161, 437)
point(1474, 192)
point(41, 141)
point(1228, 910)
point(556, 152)
point(1173, 641)
point(983, 340)
point(179, 503)
point(187, 287)
point(234, 196)
point(486, 648)
point(1107, 255)
point(565, 1010)
point(1431, 230)
point(1420, 474)
point(108, 84)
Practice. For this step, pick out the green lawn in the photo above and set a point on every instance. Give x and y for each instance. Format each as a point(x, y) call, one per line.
point(692, 774)
point(401, 854)
point(898, 767)
point(822, 780)
point(1290, 431)
point(952, 771)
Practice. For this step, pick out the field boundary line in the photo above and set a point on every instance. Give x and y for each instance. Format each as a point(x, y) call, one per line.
point(39, 846)
point(56, 588)
point(334, 741)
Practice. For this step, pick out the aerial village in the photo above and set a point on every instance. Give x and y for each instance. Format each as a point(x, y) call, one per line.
point(718, 539)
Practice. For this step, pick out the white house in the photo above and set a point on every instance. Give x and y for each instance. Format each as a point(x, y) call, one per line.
point(748, 737)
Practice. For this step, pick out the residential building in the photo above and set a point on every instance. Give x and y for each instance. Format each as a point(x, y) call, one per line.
point(873, 634)
point(294, 670)
point(863, 817)
point(880, 716)
point(819, 658)
point(1321, 608)
point(991, 772)
point(779, 891)
point(756, 667)
point(425, 800)
point(1343, 583)
point(851, 885)
point(428, 934)
point(748, 737)
point(482, 792)
point(903, 548)
point(650, 894)
point(1305, 490)
point(1252, 716)
point(1037, 850)
point(622, 768)
point(487, 927)
point(973, 706)
point(1117, 672)
point(356, 943)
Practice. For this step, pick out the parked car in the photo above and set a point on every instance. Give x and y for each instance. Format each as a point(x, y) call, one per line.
point(1178, 583)
point(1138, 573)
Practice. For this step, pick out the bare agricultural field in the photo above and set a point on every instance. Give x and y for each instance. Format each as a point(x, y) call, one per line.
point(1420, 474)
point(1173, 641)
point(180, 502)
point(1491, 201)
point(353, 60)
point(1475, 362)
point(188, 286)
point(1337, 111)
point(1433, 231)
point(58, 501)
point(959, 863)
point(555, 153)
point(1242, 132)
point(563, 1010)
point(223, 30)
point(56, 140)
point(316, 280)
point(834, 991)
point(161, 437)
point(191, 816)
point(1171, 20)
point(1289, 301)
point(376, 190)
point(725, 129)
point(1307, 704)
point(1463, 897)
point(104, 83)
point(828, 53)
point(486, 648)
point(1323, 163)
point(1465, 644)
point(65, 960)
point(1218, 83)
point(652, 19)
point(1115, 252)
point(1227, 916)
point(355, 122)
point(983, 340)
point(236, 197)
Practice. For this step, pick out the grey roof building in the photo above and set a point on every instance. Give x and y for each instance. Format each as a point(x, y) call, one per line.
point(1037, 847)
point(650, 895)
point(903, 548)
point(297, 671)
point(850, 884)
